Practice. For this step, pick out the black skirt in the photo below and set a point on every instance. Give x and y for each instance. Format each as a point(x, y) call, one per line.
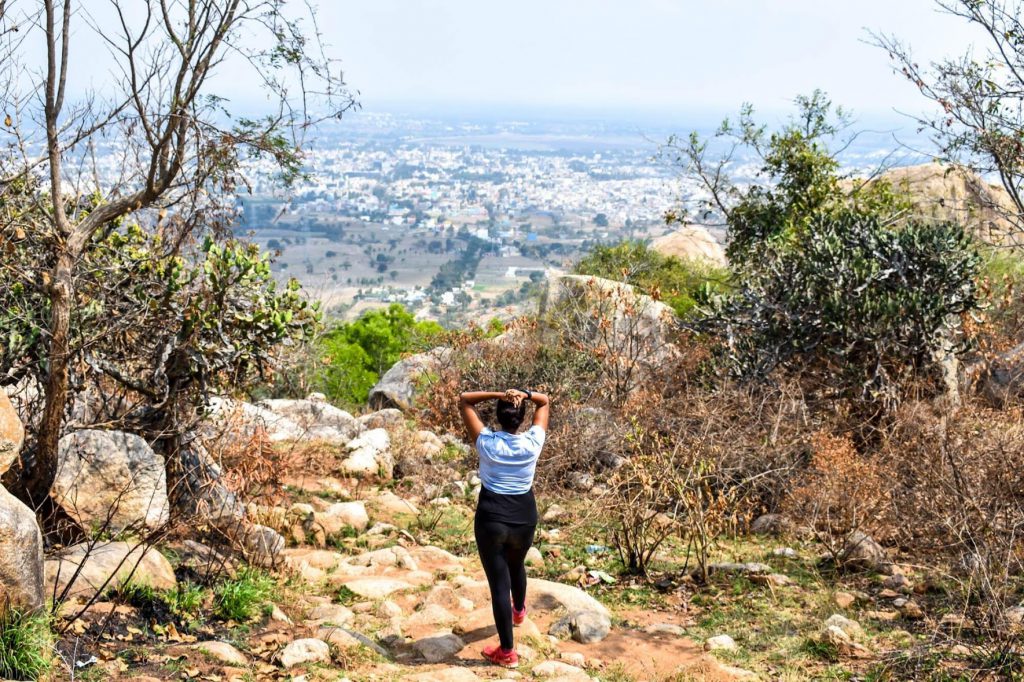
point(514, 510)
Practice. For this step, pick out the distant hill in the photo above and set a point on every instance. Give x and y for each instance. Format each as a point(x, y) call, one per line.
point(691, 242)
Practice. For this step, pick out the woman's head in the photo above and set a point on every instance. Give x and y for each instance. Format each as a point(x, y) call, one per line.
point(510, 415)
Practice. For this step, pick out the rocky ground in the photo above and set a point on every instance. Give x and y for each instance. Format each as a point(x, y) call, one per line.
point(358, 563)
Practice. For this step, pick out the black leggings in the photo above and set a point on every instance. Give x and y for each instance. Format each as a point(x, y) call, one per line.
point(503, 548)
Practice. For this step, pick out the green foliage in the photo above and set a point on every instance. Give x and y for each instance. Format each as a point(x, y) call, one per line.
point(864, 305)
point(681, 284)
point(357, 353)
point(26, 646)
point(243, 597)
point(831, 281)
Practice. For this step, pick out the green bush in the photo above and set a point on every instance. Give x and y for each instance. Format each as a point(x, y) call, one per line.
point(243, 597)
point(356, 354)
point(681, 284)
point(26, 646)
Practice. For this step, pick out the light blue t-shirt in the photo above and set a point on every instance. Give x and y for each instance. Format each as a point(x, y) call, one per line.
point(508, 461)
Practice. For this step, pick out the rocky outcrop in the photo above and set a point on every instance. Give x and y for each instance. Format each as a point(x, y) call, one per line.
point(691, 243)
point(369, 454)
point(228, 417)
point(88, 568)
point(12, 433)
point(21, 554)
point(399, 385)
point(109, 480)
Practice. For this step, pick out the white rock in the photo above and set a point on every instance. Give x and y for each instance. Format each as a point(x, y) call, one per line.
point(549, 669)
point(233, 417)
point(105, 566)
point(388, 556)
point(534, 557)
point(332, 614)
point(341, 515)
point(305, 651)
point(369, 454)
point(112, 481)
point(223, 652)
point(12, 433)
point(720, 642)
point(262, 545)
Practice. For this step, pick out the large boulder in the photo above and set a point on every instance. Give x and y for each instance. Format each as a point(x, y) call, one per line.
point(12, 433)
point(691, 243)
point(88, 568)
point(110, 480)
point(399, 385)
point(21, 554)
point(318, 418)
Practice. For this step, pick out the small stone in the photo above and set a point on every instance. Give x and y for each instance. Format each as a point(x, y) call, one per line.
point(389, 609)
point(223, 652)
point(439, 646)
point(885, 616)
point(330, 614)
point(280, 616)
point(558, 669)
point(377, 588)
point(665, 629)
point(534, 558)
point(912, 611)
point(720, 642)
point(573, 658)
point(850, 627)
point(307, 650)
point(553, 513)
point(771, 524)
point(843, 600)
point(888, 594)
point(785, 552)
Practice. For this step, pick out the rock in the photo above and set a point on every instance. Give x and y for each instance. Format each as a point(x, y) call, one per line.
point(388, 556)
point(337, 637)
point(553, 513)
point(850, 627)
point(549, 669)
point(341, 515)
point(861, 551)
point(691, 243)
point(581, 480)
point(234, 418)
point(785, 552)
point(439, 646)
point(771, 524)
point(21, 552)
point(886, 616)
point(428, 443)
point(302, 651)
point(774, 579)
point(843, 600)
point(432, 614)
point(912, 611)
point(841, 640)
point(389, 418)
point(398, 387)
point(276, 614)
point(12, 433)
point(389, 504)
point(262, 545)
point(534, 557)
point(369, 454)
point(330, 614)
point(319, 419)
point(445, 596)
point(377, 588)
point(223, 652)
point(110, 481)
point(573, 658)
point(586, 627)
point(719, 643)
point(546, 594)
point(105, 566)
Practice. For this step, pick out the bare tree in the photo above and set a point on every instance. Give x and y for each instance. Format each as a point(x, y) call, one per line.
point(179, 145)
point(979, 120)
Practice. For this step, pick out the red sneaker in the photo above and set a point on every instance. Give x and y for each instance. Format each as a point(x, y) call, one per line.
point(518, 616)
point(498, 656)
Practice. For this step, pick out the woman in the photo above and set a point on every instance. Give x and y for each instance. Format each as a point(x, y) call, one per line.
point(506, 514)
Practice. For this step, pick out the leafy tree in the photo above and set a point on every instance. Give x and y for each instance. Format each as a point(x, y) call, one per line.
point(601, 220)
point(681, 284)
point(830, 281)
point(181, 144)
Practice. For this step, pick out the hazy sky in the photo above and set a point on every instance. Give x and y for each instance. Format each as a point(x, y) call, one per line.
point(662, 55)
point(670, 58)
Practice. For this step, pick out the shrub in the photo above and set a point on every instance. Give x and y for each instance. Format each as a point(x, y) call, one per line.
point(26, 646)
point(243, 597)
point(859, 307)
